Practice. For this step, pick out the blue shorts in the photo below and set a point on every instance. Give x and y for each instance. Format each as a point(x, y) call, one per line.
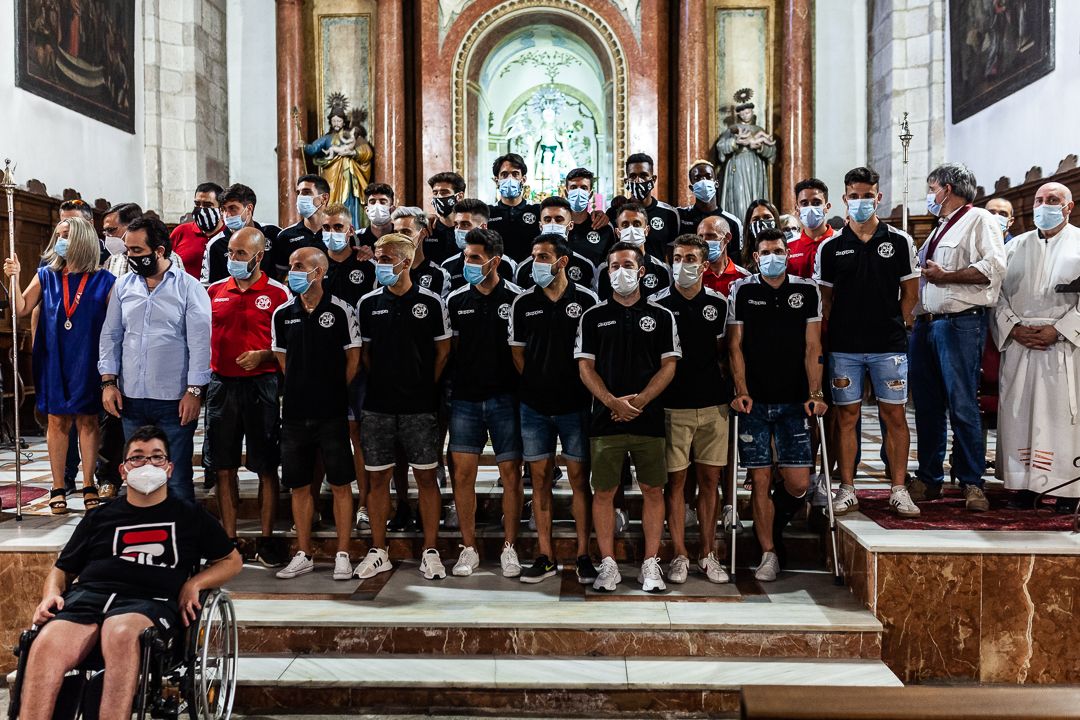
point(538, 434)
point(787, 424)
point(888, 374)
point(471, 422)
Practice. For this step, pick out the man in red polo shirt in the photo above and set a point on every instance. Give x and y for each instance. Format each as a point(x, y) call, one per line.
point(721, 271)
point(242, 397)
point(812, 197)
point(189, 239)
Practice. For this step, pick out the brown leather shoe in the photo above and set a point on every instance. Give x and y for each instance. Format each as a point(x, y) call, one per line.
point(921, 491)
point(974, 500)
point(107, 491)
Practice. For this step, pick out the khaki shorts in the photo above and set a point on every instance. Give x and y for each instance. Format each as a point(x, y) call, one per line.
point(703, 431)
point(608, 451)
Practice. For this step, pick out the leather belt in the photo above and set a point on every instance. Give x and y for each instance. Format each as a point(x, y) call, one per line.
point(931, 317)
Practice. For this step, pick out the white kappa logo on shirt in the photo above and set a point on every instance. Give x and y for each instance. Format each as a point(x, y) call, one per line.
point(709, 311)
point(886, 250)
point(574, 273)
point(528, 218)
point(795, 301)
point(647, 324)
point(650, 281)
point(356, 277)
point(657, 223)
point(419, 311)
point(263, 302)
point(593, 237)
point(504, 311)
point(573, 310)
point(326, 319)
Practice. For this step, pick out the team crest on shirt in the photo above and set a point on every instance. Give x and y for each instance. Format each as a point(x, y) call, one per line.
point(795, 301)
point(356, 277)
point(425, 281)
point(326, 319)
point(710, 313)
point(593, 237)
point(573, 310)
point(657, 223)
point(574, 273)
point(650, 281)
point(152, 544)
point(263, 302)
point(504, 311)
point(419, 311)
point(529, 218)
point(647, 324)
point(886, 250)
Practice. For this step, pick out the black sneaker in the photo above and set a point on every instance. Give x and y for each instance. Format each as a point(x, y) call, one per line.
point(1023, 500)
point(586, 572)
point(541, 569)
point(269, 553)
point(402, 519)
point(557, 475)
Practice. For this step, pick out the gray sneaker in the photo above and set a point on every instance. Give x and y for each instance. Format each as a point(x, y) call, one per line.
point(609, 577)
point(679, 569)
point(769, 567)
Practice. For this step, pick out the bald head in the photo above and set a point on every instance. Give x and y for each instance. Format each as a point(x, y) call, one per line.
point(250, 239)
point(714, 227)
point(308, 259)
point(1053, 191)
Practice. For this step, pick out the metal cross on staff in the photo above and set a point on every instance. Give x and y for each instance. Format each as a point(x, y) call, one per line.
point(905, 141)
point(8, 184)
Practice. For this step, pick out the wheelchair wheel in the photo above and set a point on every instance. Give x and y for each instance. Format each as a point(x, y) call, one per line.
point(213, 650)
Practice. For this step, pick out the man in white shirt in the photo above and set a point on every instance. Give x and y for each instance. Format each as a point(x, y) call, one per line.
point(963, 263)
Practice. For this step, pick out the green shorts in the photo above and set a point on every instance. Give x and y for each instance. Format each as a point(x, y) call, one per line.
point(607, 454)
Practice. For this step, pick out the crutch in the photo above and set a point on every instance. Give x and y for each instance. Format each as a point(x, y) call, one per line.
point(837, 579)
point(734, 495)
point(7, 182)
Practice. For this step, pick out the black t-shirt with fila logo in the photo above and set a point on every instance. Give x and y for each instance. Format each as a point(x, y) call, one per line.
point(483, 365)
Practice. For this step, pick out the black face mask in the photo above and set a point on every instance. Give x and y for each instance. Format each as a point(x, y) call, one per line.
point(444, 205)
point(144, 265)
point(757, 226)
point(640, 189)
point(206, 219)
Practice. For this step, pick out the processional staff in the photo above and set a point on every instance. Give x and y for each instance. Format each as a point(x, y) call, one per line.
point(8, 184)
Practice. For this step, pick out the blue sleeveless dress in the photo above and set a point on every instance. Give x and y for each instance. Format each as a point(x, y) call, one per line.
point(66, 378)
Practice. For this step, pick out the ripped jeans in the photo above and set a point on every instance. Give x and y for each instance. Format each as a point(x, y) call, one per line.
point(888, 375)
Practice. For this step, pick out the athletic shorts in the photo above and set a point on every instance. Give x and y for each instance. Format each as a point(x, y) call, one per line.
point(888, 375)
point(786, 424)
point(302, 441)
point(701, 431)
point(239, 412)
point(608, 451)
point(416, 434)
point(87, 607)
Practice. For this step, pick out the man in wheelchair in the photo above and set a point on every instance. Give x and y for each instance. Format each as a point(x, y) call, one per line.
point(129, 565)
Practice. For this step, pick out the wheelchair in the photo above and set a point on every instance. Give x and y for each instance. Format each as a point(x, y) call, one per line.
point(192, 671)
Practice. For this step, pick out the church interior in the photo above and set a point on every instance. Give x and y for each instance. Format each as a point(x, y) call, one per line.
point(952, 615)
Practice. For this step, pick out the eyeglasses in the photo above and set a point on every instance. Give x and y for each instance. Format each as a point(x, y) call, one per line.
point(140, 460)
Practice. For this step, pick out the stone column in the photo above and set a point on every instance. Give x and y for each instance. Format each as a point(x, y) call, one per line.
point(796, 99)
point(389, 110)
point(290, 94)
point(692, 114)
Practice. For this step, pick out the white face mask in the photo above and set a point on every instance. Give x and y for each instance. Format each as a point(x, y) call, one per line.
point(146, 479)
point(624, 280)
point(553, 229)
point(686, 274)
point(378, 214)
point(115, 245)
point(634, 235)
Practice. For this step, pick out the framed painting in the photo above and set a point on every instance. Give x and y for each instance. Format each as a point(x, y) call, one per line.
point(79, 54)
point(998, 47)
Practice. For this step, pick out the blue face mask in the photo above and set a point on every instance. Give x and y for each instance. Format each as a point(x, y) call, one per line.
point(459, 238)
point(384, 273)
point(772, 266)
point(579, 199)
point(1047, 217)
point(1003, 222)
point(715, 250)
point(812, 216)
point(335, 241)
point(932, 205)
point(241, 270)
point(60, 247)
point(298, 281)
point(305, 205)
point(474, 274)
point(510, 188)
point(542, 273)
point(861, 210)
point(704, 190)
point(234, 222)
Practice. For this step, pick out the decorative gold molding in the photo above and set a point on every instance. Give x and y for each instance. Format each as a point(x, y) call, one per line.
point(573, 10)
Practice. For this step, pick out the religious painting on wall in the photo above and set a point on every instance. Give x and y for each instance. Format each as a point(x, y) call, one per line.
point(998, 47)
point(79, 54)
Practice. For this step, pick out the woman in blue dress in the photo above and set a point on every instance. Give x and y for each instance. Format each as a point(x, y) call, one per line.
point(73, 292)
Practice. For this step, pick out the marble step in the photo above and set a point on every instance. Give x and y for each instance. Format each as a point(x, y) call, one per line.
point(555, 686)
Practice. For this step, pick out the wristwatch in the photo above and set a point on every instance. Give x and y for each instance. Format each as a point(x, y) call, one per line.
point(194, 390)
point(817, 395)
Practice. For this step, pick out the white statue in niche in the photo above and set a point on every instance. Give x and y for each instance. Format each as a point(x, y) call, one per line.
point(545, 132)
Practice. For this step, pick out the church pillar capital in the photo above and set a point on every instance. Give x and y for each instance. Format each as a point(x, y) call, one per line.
point(290, 94)
point(796, 98)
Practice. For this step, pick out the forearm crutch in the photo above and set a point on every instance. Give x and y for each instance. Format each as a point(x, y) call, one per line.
point(734, 494)
point(837, 579)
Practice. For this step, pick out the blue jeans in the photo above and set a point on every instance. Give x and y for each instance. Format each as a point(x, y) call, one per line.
point(165, 414)
point(945, 357)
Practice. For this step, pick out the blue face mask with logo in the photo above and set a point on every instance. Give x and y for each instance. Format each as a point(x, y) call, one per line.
point(459, 238)
point(234, 222)
point(60, 247)
point(579, 199)
point(510, 188)
point(772, 266)
point(812, 216)
point(542, 273)
point(335, 241)
point(715, 250)
point(305, 205)
point(704, 190)
point(1047, 217)
point(861, 210)
point(384, 273)
point(299, 282)
point(474, 274)
point(241, 269)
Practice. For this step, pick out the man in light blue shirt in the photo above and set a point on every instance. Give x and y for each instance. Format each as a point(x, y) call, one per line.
point(155, 347)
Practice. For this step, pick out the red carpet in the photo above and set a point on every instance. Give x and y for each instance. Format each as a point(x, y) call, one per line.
point(29, 495)
point(948, 513)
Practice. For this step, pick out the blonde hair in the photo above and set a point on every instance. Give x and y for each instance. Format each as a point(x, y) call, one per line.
point(399, 245)
point(84, 249)
point(336, 209)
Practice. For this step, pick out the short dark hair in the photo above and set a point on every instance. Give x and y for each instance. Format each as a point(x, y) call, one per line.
point(379, 189)
point(125, 212)
point(556, 241)
point(210, 187)
point(639, 158)
point(812, 184)
point(512, 158)
point(145, 434)
point(861, 175)
point(317, 180)
point(489, 239)
point(456, 181)
point(626, 246)
point(769, 234)
point(555, 201)
point(473, 206)
point(692, 240)
point(958, 177)
point(240, 193)
point(631, 206)
point(581, 173)
point(157, 234)
point(80, 206)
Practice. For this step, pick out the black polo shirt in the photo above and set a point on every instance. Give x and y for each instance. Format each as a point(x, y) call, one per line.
point(483, 365)
point(366, 236)
point(216, 257)
point(627, 345)
point(314, 345)
point(429, 275)
point(774, 335)
point(591, 244)
point(350, 279)
point(439, 243)
point(663, 226)
point(291, 239)
point(578, 270)
point(865, 278)
point(690, 217)
point(657, 277)
point(550, 382)
point(455, 270)
point(701, 322)
point(516, 224)
point(400, 334)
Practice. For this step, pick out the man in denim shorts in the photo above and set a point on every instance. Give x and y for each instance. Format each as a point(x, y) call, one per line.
point(774, 341)
point(869, 278)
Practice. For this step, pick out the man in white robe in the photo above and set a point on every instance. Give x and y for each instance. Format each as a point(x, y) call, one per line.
point(1037, 329)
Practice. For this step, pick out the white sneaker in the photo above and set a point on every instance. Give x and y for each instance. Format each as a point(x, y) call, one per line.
point(467, 562)
point(621, 521)
point(431, 566)
point(729, 518)
point(678, 569)
point(770, 565)
point(902, 504)
point(609, 577)
point(451, 521)
point(376, 561)
point(819, 493)
point(363, 522)
point(651, 576)
point(845, 500)
point(511, 566)
point(301, 564)
point(691, 517)
point(342, 566)
point(713, 570)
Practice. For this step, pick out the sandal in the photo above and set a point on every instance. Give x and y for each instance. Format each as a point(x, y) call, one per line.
point(90, 497)
point(58, 501)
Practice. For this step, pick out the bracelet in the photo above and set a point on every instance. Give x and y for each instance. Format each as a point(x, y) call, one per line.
point(107, 383)
point(817, 395)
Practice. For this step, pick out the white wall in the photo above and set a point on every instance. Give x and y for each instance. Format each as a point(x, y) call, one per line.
point(252, 82)
point(62, 148)
point(1034, 126)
